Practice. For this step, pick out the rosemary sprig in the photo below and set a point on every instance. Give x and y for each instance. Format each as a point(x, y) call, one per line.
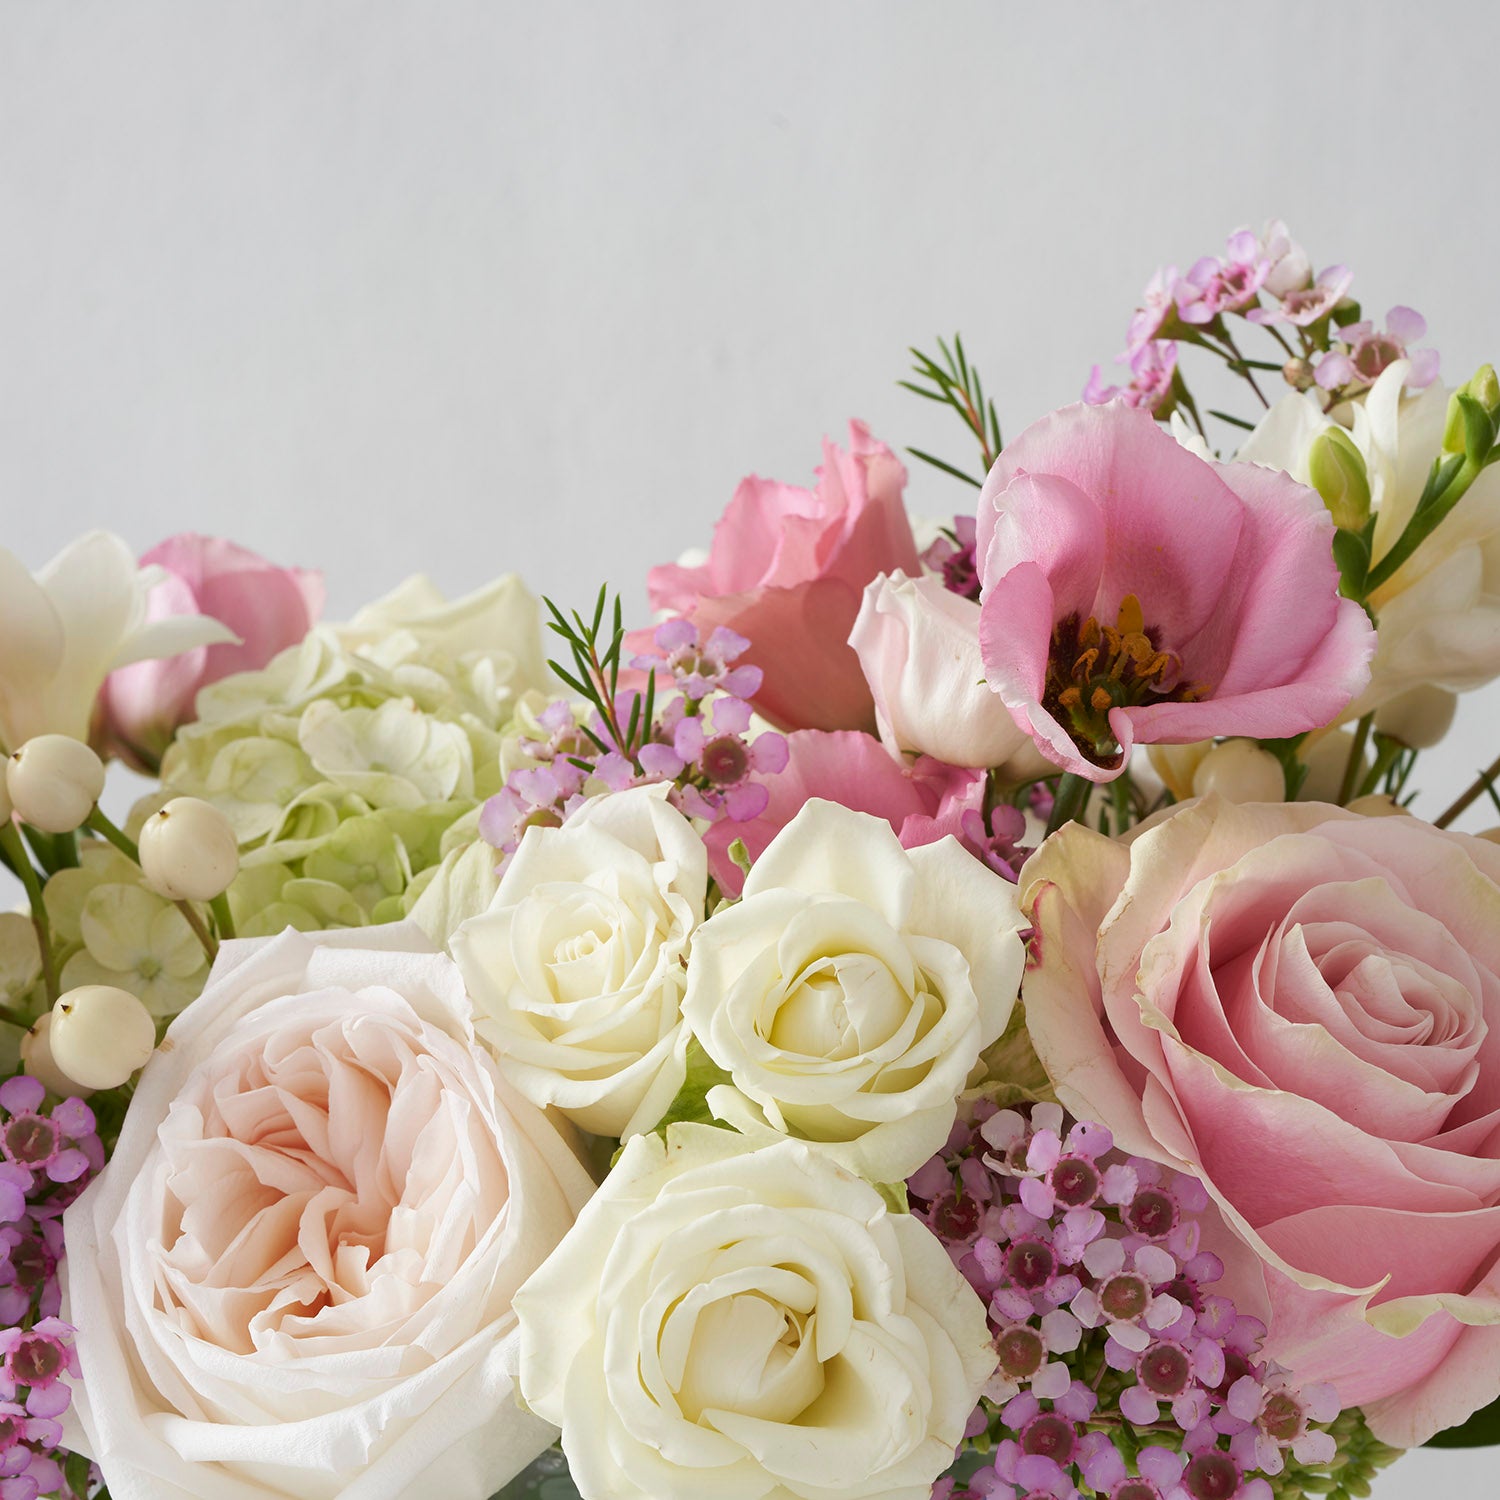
point(955, 383)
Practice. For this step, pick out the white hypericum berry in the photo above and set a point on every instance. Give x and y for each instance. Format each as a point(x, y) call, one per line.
point(100, 1035)
point(189, 851)
point(54, 782)
point(1240, 771)
point(37, 1059)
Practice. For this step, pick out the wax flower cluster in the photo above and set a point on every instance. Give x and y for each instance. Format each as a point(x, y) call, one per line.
point(46, 1159)
point(1122, 1374)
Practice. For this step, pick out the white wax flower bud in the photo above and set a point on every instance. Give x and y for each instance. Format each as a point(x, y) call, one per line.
point(1419, 718)
point(1177, 764)
point(37, 1059)
point(1240, 771)
point(100, 1035)
point(189, 851)
point(54, 782)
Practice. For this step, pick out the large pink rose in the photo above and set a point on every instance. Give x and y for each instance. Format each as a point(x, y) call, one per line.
point(1134, 592)
point(788, 569)
point(269, 608)
point(1301, 1006)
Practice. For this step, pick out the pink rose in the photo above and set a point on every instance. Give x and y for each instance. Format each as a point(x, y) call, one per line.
point(1301, 1006)
point(788, 568)
point(1132, 591)
point(269, 608)
point(923, 802)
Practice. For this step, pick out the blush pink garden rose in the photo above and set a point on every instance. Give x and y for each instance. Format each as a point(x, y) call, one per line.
point(267, 607)
point(1301, 1006)
point(1134, 592)
point(788, 568)
point(294, 1277)
point(923, 801)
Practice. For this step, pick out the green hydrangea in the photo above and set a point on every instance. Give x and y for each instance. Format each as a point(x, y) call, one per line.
point(355, 762)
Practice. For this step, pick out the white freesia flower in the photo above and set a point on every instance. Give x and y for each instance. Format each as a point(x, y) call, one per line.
point(294, 1279)
point(851, 991)
point(750, 1324)
point(69, 626)
point(1439, 615)
point(577, 968)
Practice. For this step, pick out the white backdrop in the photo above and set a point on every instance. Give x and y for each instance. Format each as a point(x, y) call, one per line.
point(481, 287)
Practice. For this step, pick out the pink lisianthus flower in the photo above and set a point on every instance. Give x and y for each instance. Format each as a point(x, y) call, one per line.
point(1135, 592)
point(268, 607)
point(924, 801)
point(788, 568)
point(1364, 353)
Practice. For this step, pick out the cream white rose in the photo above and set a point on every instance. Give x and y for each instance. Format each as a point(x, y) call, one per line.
point(752, 1325)
point(918, 643)
point(578, 967)
point(851, 991)
point(293, 1280)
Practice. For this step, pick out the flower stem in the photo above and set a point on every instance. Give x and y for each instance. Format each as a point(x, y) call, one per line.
point(1070, 801)
point(1356, 759)
point(18, 860)
point(223, 917)
point(107, 830)
point(1476, 790)
point(200, 929)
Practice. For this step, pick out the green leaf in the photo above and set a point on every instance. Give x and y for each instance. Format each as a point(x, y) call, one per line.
point(76, 1474)
point(1482, 1430)
point(691, 1104)
point(894, 1194)
point(947, 468)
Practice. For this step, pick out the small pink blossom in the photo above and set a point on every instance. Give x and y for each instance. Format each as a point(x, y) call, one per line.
point(1133, 591)
point(1364, 352)
point(1307, 305)
point(1213, 286)
point(1158, 305)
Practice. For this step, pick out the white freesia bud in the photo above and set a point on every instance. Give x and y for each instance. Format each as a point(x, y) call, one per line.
point(189, 852)
point(1177, 765)
point(100, 1035)
point(37, 1059)
point(1419, 718)
point(1240, 771)
point(54, 782)
point(1326, 760)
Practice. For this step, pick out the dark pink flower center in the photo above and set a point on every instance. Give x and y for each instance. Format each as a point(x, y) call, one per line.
point(29, 1139)
point(1124, 1297)
point(1030, 1265)
point(725, 760)
point(1164, 1370)
point(1212, 1476)
point(1375, 353)
point(1049, 1436)
point(1020, 1351)
point(1152, 1213)
point(35, 1361)
point(1075, 1182)
point(10, 1433)
point(1135, 1489)
point(1281, 1418)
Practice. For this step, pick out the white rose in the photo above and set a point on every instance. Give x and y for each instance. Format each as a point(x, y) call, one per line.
point(577, 968)
point(918, 644)
point(850, 993)
point(750, 1324)
point(294, 1277)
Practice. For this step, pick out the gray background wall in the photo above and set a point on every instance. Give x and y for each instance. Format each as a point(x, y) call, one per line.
point(517, 286)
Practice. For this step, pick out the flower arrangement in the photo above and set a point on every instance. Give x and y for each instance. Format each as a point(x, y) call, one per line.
point(941, 1011)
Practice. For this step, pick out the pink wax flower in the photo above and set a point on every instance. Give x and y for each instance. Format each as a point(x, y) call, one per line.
point(1304, 306)
point(923, 802)
point(1287, 267)
point(1364, 352)
point(1304, 1004)
point(1153, 372)
point(1135, 592)
point(1157, 308)
point(268, 607)
point(1212, 286)
point(788, 568)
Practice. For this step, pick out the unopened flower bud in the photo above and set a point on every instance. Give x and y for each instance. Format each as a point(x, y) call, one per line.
point(1299, 374)
point(100, 1035)
point(1240, 771)
point(1336, 469)
point(1485, 389)
point(1175, 764)
point(53, 782)
point(1327, 759)
point(37, 1059)
point(1419, 717)
point(188, 851)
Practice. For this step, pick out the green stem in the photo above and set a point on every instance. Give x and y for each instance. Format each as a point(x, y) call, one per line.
point(17, 858)
point(1387, 753)
point(1356, 758)
point(200, 929)
point(1481, 782)
point(14, 1018)
point(223, 917)
point(102, 826)
point(1070, 801)
point(1427, 520)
